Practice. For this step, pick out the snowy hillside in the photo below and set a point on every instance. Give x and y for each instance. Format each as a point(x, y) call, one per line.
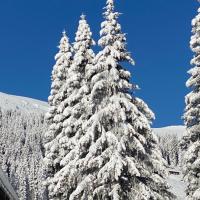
point(22, 126)
point(21, 103)
point(179, 131)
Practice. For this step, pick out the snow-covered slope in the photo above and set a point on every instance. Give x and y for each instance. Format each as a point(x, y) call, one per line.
point(21, 103)
point(171, 130)
point(22, 126)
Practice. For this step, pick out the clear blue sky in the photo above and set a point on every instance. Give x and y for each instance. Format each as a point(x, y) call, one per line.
point(158, 37)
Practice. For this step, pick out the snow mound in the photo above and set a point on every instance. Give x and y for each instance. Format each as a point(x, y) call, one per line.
point(171, 130)
point(11, 102)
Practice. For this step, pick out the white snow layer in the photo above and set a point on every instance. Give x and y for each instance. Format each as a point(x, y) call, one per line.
point(21, 103)
point(177, 185)
point(171, 130)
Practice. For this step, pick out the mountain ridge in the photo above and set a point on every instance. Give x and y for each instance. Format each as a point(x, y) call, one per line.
point(8, 101)
point(178, 130)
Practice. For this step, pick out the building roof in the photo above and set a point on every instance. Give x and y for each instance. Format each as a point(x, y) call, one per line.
point(6, 186)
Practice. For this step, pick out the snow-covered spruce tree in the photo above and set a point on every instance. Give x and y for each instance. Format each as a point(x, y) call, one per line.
point(192, 117)
point(72, 109)
point(60, 70)
point(117, 156)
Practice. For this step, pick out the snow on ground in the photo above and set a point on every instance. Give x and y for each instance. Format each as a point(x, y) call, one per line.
point(177, 185)
point(21, 103)
point(171, 130)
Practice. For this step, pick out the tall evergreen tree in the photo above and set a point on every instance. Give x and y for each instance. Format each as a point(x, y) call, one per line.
point(117, 156)
point(72, 109)
point(60, 70)
point(192, 117)
point(63, 61)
